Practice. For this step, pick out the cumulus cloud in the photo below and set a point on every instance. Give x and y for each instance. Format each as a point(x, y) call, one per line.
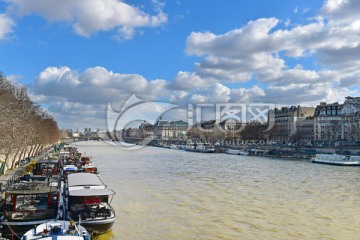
point(91, 16)
point(247, 95)
point(72, 95)
point(341, 10)
point(187, 81)
point(261, 50)
point(262, 61)
point(93, 85)
point(6, 25)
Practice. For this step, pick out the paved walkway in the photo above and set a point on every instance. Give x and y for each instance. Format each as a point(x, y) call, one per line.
point(9, 173)
point(12, 172)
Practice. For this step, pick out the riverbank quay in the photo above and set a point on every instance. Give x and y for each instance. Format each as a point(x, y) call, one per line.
point(288, 151)
point(12, 175)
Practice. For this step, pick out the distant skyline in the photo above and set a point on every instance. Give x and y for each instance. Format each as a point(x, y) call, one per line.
point(76, 56)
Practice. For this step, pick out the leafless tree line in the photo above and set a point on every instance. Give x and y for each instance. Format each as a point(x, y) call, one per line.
point(253, 130)
point(25, 128)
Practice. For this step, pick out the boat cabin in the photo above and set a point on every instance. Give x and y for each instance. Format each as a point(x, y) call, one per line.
point(90, 168)
point(67, 169)
point(31, 201)
point(88, 197)
point(47, 167)
point(85, 161)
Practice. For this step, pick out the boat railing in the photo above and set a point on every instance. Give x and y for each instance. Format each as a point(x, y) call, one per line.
point(29, 213)
point(91, 212)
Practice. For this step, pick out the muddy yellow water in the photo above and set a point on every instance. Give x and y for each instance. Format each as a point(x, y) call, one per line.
point(173, 194)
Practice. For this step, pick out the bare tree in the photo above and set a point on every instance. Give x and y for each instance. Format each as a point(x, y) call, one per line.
point(25, 127)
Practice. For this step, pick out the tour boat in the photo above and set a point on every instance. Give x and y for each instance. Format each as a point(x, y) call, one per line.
point(200, 148)
point(28, 204)
point(236, 152)
point(61, 230)
point(335, 159)
point(88, 198)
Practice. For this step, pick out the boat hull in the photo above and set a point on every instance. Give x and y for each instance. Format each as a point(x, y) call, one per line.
point(98, 226)
point(200, 150)
point(337, 160)
point(349, 164)
point(237, 152)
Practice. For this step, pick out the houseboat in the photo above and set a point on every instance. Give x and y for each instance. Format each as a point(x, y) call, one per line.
point(29, 203)
point(64, 230)
point(335, 159)
point(47, 167)
point(89, 199)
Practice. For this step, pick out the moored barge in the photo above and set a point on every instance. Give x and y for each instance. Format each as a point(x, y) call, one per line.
point(89, 199)
point(29, 203)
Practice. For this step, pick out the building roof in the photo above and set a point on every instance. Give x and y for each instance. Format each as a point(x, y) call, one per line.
point(145, 125)
point(162, 123)
point(180, 123)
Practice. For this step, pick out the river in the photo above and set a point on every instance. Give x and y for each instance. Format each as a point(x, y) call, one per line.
point(174, 194)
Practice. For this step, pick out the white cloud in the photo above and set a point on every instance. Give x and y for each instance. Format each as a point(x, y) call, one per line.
point(78, 115)
point(341, 10)
point(6, 26)
point(328, 44)
point(72, 95)
point(300, 64)
point(247, 95)
point(94, 85)
point(187, 81)
point(235, 43)
point(91, 16)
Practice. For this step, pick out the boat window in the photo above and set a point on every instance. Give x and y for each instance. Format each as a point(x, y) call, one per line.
point(23, 202)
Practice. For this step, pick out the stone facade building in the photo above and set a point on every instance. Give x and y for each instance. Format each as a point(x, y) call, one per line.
point(169, 130)
point(327, 123)
point(305, 131)
point(338, 124)
point(286, 121)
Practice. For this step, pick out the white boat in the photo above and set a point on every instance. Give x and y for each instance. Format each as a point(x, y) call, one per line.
point(67, 169)
point(236, 152)
point(200, 148)
point(66, 230)
point(335, 159)
point(88, 198)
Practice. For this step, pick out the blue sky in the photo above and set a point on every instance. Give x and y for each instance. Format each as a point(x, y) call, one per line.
point(76, 56)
